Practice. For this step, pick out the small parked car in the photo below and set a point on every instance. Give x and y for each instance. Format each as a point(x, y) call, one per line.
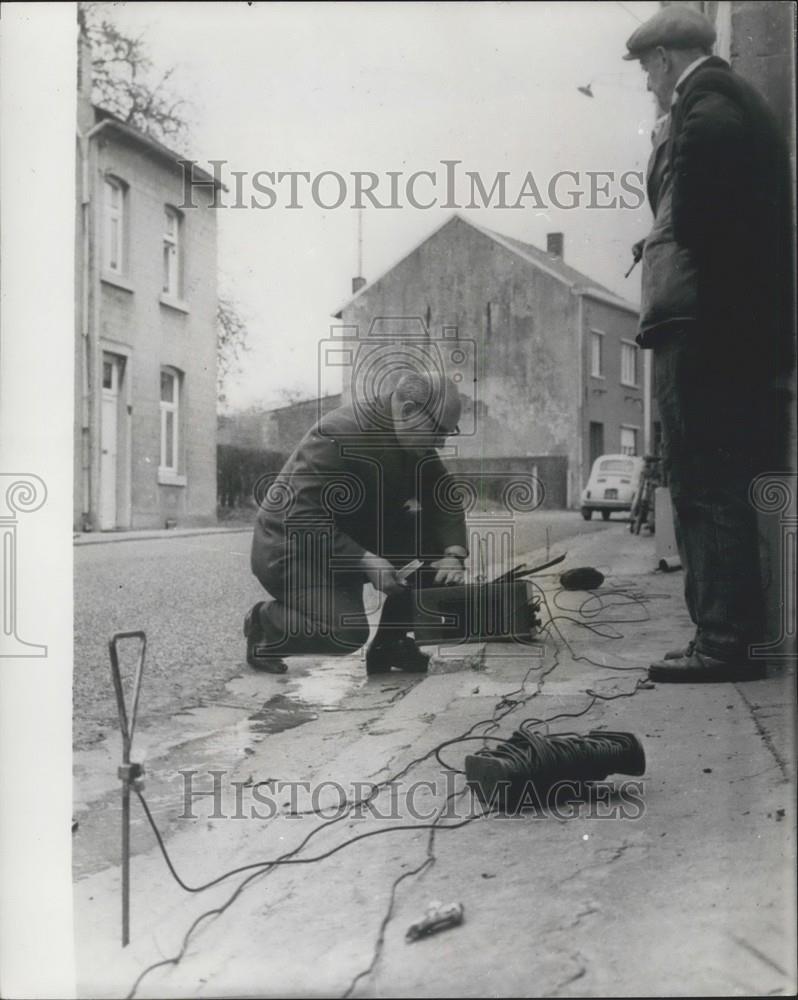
point(614, 479)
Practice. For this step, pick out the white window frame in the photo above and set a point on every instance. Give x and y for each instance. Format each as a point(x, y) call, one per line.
point(114, 239)
point(172, 407)
point(171, 252)
point(634, 431)
point(629, 349)
point(597, 358)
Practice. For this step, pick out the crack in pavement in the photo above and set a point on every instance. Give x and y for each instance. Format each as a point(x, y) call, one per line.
point(758, 954)
point(748, 777)
point(578, 919)
point(764, 734)
point(616, 855)
point(579, 974)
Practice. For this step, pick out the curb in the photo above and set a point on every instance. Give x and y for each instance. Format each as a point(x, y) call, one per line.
point(101, 538)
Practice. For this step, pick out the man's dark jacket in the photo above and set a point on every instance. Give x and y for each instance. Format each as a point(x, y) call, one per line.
point(730, 211)
point(349, 478)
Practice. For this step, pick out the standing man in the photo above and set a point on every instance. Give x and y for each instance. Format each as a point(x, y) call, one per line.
point(363, 495)
point(716, 310)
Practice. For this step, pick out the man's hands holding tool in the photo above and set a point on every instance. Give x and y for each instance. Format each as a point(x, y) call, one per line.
point(382, 575)
point(451, 570)
point(390, 580)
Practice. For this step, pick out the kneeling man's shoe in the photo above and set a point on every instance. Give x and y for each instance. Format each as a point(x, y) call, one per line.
point(401, 654)
point(258, 655)
point(698, 668)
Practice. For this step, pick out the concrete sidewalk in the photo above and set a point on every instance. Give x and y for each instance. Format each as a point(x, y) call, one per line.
point(689, 893)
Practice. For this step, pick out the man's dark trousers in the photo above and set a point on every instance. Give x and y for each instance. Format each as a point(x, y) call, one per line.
point(324, 614)
point(715, 441)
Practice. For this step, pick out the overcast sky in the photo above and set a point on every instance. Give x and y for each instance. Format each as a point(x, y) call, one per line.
point(396, 87)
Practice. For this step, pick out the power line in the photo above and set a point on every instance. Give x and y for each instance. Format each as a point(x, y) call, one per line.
point(629, 12)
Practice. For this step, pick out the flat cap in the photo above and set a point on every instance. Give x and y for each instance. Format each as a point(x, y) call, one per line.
point(673, 27)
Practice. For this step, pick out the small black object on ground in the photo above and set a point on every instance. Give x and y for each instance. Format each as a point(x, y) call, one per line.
point(581, 578)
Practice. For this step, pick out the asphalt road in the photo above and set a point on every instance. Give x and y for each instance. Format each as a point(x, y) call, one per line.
point(189, 595)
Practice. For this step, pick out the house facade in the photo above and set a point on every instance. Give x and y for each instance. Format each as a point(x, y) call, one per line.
point(544, 356)
point(145, 344)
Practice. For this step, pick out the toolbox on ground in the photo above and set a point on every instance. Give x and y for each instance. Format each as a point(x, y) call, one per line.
point(502, 609)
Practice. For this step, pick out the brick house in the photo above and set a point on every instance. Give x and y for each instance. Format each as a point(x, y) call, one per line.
point(145, 343)
point(559, 378)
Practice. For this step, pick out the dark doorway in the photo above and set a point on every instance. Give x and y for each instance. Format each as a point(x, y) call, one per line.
point(596, 441)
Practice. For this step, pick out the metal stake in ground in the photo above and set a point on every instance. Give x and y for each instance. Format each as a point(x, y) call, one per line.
point(128, 772)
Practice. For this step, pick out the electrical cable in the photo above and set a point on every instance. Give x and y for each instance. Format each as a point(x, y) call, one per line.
point(585, 625)
point(503, 707)
point(380, 940)
point(264, 867)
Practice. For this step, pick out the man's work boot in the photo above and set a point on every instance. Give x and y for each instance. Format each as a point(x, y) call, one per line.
point(698, 668)
point(258, 655)
point(401, 653)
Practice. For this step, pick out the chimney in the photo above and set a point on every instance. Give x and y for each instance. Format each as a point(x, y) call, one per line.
point(555, 244)
point(357, 284)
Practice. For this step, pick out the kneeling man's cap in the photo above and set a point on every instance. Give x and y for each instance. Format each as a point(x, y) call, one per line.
point(673, 27)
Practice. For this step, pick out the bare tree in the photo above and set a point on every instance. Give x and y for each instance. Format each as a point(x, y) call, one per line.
point(125, 82)
point(231, 344)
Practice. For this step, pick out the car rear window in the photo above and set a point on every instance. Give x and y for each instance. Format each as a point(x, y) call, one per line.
point(616, 465)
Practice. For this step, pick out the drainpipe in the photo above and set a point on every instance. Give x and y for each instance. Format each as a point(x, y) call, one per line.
point(85, 365)
point(647, 360)
point(87, 352)
point(580, 409)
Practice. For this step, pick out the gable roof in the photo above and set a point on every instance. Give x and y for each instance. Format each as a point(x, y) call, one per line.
point(555, 267)
point(104, 117)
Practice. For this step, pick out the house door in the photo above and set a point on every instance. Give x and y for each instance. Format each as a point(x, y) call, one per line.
point(596, 441)
point(109, 436)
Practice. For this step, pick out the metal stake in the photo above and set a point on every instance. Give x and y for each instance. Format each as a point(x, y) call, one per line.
point(128, 772)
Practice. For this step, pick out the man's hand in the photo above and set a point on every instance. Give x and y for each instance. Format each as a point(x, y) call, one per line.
point(637, 256)
point(450, 570)
point(382, 575)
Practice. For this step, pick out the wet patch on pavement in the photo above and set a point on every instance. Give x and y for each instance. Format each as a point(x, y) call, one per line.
point(281, 712)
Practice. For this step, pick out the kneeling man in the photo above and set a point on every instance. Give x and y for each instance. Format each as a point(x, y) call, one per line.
point(363, 495)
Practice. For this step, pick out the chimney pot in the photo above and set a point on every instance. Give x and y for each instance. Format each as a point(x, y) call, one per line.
point(357, 284)
point(555, 244)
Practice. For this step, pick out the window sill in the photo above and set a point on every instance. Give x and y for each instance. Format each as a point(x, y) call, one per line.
point(630, 385)
point(602, 377)
point(117, 280)
point(168, 478)
point(172, 303)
